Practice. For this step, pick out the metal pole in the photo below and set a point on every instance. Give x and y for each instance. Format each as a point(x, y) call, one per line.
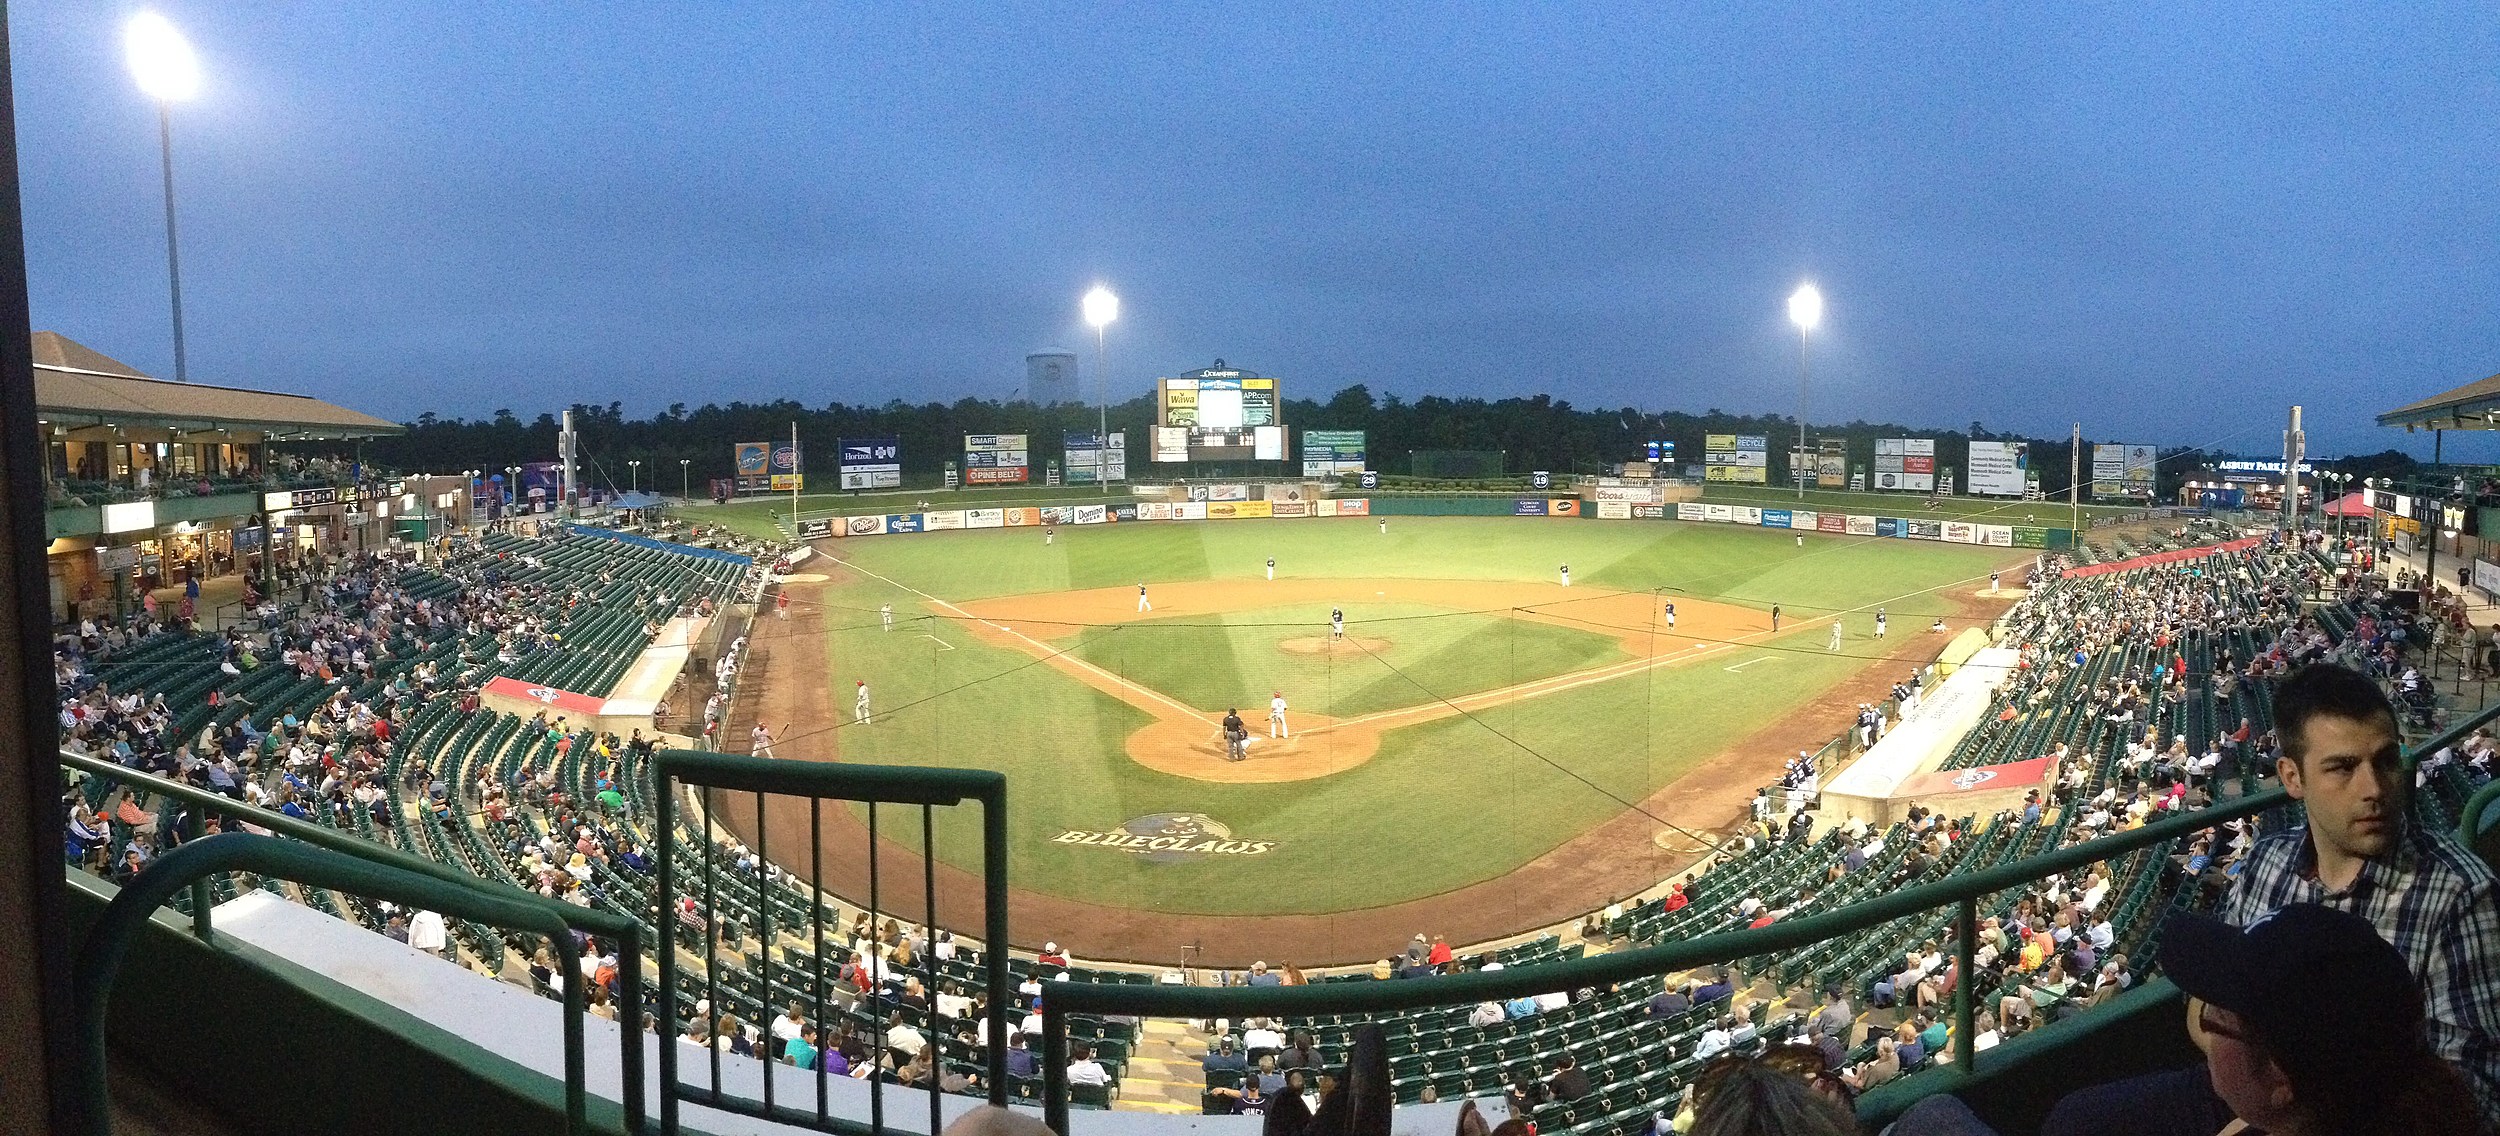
point(2439, 507)
point(795, 478)
point(1102, 406)
point(173, 259)
point(1802, 372)
point(2074, 482)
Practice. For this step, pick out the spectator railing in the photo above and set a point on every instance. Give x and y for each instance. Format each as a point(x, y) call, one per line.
point(820, 783)
point(344, 862)
point(1961, 891)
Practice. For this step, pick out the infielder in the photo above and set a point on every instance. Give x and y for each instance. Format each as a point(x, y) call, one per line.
point(1566, 575)
point(1143, 604)
point(886, 613)
point(1336, 623)
point(1384, 526)
point(1775, 619)
point(1879, 623)
point(760, 740)
point(1276, 727)
point(1835, 636)
point(1048, 535)
point(859, 706)
point(1670, 617)
point(1992, 583)
point(1271, 568)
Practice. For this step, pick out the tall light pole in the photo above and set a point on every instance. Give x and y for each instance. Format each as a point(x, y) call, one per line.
point(683, 484)
point(1101, 307)
point(633, 480)
point(162, 62)
point(1805, 309)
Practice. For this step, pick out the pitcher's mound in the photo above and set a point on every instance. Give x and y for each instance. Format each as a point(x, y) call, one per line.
point(1323, 645)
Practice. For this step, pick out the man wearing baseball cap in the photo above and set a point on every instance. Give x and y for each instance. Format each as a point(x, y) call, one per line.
point(2360, 851)
point(2311, 1023)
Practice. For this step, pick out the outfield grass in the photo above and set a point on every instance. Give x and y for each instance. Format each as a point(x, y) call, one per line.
point(1443, 804)
point(1433, 653)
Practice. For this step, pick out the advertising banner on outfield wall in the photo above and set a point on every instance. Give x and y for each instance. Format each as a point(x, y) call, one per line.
point(1887, 526)
point(1124, 512)
point(1154, 510)
point(1691, 511)
point(1863, 526)
point(2026, 536)
point(864, 526)
point(1254, 509)
point(2000, 535)
point(1355, 507)
point(1775, 518)
point(1020, 517)
point(1744, 514)
point(985, 518)
point(1960, 532)
point(1632, 494)
point(1831, 522)
point(1324, 507)
point(809, 530)
point(1800, 519)
point(1528, 507)
point(1649, 512)
point(1189, 510)
point(1289, 508)
point(1613, 510)
point(1090, 515)
point(1712, 511)
point(1922, 530)
point(902, 522)
point(1562, 506)
point(943, 519)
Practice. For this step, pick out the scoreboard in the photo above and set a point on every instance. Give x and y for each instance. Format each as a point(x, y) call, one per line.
point(1219, 415)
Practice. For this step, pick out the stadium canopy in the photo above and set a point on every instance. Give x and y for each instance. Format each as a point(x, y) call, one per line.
point(77, 386)
point(2348, 505)
point(636, 500)
point(2474, 406)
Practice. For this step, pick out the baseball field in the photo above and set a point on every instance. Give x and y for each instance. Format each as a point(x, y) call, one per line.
point(1477, 721)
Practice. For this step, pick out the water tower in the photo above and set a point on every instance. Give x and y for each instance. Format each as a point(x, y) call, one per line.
point(1050, 376)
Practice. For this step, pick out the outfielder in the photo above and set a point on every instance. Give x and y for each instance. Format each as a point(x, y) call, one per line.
point(1879, 623)
point(1835, 636)
point(859, 706)
point(1276, 727)
point(1566, 574)
point(886, 613)
point(1336, 623)
point(1143, 604)
point(1271, 568)
point(1047, 535)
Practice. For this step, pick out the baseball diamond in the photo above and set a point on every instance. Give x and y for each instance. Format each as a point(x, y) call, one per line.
point(1558, 741)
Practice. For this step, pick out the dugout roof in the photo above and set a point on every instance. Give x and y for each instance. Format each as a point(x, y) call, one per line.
point(2474, 406)
point(76, 385)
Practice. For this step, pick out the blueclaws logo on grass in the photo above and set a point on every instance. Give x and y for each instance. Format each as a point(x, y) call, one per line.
point(1166, 838)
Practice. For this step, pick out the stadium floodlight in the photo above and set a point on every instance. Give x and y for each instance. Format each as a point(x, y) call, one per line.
point(1101, 307)
point(160, 59)
point(1805, 309)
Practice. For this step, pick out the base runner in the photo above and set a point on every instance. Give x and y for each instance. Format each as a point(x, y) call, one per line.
point(859, 706)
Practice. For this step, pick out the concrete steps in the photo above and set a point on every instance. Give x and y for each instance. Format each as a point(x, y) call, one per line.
point(1163, 1071)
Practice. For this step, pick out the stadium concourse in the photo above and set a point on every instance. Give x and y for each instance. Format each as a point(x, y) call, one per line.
point(2144, 672)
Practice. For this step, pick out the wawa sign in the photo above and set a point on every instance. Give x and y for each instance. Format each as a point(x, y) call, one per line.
point(1168, 837)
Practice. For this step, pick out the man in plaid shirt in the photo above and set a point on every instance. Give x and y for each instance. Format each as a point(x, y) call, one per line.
point(2360, 851)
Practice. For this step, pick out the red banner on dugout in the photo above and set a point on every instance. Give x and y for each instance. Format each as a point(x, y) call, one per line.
point(547, 696)
point(2012, 775)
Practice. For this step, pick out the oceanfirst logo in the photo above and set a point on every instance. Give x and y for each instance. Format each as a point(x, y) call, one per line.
point(1169, 837)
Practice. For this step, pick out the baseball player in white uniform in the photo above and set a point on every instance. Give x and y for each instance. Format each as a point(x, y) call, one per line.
point(859, 706)
point(1143, 604)
point(1276, 727)
point(1271, 567)
point(761, 739)
point(886, 613)
point(1835, 636)
point(1670, 617)
point(1336, 623)
point(1566, 575)
point(1879, 623)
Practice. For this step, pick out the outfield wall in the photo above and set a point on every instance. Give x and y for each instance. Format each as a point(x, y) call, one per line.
point(1573, 508)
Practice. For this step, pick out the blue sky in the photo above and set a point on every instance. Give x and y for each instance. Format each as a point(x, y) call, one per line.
point(2169, 224)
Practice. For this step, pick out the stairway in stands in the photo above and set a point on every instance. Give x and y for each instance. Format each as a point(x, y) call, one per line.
point(1163, 1070)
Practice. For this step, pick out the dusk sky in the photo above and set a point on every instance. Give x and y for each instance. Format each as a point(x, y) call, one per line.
point(2168, 224)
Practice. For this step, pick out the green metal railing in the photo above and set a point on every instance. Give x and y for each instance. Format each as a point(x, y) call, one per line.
point(818, 783)
point(348, 863)
point(1961, 891)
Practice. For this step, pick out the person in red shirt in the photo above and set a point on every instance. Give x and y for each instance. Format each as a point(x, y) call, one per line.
point(1675, 900)
point(1441, 955)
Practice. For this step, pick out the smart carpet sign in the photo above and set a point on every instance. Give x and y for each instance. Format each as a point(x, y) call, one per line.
point(1165, 838)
